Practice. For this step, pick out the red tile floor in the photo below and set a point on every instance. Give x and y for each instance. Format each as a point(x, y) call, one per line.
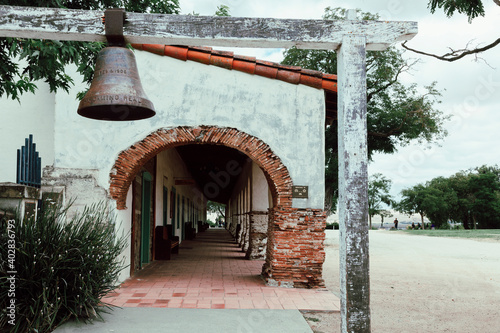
point(210, 272)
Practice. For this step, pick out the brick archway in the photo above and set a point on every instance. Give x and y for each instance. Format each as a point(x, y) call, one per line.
point(131, 160)
point(295, 250)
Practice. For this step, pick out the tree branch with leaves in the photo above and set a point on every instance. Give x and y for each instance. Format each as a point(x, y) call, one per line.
point(378, 196)
point(23, 62)
point(397, 114)
point(472, 9)
point(217, 208)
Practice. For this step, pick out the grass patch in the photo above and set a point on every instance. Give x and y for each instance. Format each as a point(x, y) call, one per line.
point(493, 234)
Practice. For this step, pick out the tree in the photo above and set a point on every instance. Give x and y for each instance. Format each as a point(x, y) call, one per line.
point(439, 201)
point(412, 202)
point(378, 194)
point(397, 114)
point(484, 187)
point(217, 208)
point(470, 197)
point(461, 210)
point(426, 200)
point(475, 197)
point(471, 8)
point(47, 59)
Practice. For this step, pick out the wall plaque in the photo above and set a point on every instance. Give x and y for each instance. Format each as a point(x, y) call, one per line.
point(300, 192)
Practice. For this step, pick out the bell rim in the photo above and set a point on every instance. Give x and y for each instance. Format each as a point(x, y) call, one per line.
point(124, 112)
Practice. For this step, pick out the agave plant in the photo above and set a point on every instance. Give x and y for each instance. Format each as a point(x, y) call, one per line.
point(60, 268)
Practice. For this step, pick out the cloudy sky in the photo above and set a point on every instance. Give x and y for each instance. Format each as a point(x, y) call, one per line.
point(470, 87)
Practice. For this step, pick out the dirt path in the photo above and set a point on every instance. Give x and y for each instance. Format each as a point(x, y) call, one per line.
point(423, 284)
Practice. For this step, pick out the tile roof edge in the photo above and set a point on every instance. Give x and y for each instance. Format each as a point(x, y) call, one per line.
point(250, 65)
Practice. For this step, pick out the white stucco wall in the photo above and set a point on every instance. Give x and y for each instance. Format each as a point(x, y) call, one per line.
point(123, 229)
point(289, 118)
point(34, 114)
point(260, 190)
point(170, 167)
point(250, 194)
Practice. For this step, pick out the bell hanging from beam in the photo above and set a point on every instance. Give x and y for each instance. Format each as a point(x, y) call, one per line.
point(116, 91)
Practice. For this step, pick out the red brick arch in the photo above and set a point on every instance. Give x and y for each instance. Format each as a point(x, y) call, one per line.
point(132, 159)
point(295, 236)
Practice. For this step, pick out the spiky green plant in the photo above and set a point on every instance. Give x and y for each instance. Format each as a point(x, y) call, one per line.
point(63, 267)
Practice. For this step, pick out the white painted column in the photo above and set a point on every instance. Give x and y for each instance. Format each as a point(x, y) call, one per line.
point(259, 214)
point(353, 185)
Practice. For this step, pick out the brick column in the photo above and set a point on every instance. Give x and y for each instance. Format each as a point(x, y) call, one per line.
point(297, 237)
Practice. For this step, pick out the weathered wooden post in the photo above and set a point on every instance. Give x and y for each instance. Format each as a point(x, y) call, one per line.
point(353, 184)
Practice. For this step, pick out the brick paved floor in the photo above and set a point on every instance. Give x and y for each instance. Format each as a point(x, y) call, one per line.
point(211, 272)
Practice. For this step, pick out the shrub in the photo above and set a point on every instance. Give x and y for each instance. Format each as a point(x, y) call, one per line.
point(444, 226)
point(63, 269)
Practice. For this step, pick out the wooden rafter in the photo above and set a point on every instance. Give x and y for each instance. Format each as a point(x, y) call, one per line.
point(86, 25)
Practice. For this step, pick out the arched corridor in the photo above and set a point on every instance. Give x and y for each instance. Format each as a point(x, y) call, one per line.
point(210, 272)
point(173, 174)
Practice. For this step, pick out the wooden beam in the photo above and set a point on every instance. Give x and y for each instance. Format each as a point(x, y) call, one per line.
point(86, 25)
point(353, 186)
point(51, 23)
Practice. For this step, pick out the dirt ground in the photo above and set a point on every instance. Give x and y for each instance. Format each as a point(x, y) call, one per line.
point(422, 284)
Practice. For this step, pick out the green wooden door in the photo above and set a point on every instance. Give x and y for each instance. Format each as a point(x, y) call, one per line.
point(146, 217)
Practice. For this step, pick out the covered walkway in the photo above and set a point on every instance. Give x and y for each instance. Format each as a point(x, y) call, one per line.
point(210, 272)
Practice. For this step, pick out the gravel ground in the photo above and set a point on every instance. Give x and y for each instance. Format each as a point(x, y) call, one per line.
point(422, 284)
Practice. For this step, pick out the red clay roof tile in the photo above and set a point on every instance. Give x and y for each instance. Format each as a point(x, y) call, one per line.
point(228, 60)
point(311, 81)
point(288, 76)
point(223, 53)
point(266, 71)
point(245, 58)
point(176, 52)
point(221, 61)
point(244, 66)
point(153, 48)
point(199, 56)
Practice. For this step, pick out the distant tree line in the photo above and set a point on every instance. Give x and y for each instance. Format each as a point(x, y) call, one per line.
point(470, 197)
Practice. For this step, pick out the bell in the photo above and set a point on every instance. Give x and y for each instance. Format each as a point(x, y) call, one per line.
point(116, 92)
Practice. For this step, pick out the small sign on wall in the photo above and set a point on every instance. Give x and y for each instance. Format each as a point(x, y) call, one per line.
point(300, 192)
point(185, 181)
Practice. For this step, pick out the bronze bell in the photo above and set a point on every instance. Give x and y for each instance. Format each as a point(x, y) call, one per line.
point(116, 92)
